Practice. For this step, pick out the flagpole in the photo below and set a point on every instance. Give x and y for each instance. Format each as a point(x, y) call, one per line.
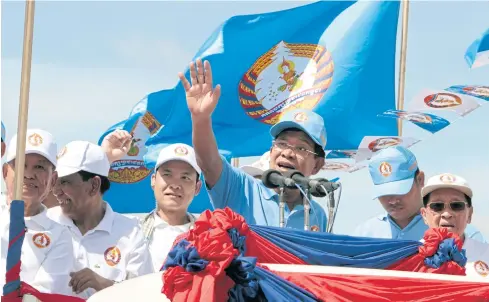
point(236, 162)
point(25, 82)
point(402, 62)
point(17, 228)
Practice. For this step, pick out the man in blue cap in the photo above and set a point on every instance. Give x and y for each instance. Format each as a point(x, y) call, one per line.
point(397, 184)
point(299, 142)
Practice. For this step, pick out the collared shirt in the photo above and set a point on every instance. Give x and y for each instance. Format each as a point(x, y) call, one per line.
point(383, 226)
point(258, 204)
point(162, 237)
point(115, 249)
point(47, 253)
point(477, 259)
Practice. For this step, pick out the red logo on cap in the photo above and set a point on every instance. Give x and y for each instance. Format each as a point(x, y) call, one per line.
point(181, 150)
point(35, 139)
point(300, 117)
point(442, 100)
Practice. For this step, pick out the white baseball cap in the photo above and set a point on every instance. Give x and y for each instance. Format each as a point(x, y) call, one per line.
point(257, 168)
point(37, 142)
point(446, 180)
point(180, 152)
point(82, 156)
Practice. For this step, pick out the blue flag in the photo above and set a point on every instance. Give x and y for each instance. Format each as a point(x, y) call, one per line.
point(271, 63)
point(477, 53)
point(130, 178)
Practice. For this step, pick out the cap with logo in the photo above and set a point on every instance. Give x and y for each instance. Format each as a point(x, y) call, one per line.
point(446, 181)
point(181, 152)
point(257, 168)
point(4, 132)
point(392, 170)
point(82, 156)
point(37, 142)
point(305, 120)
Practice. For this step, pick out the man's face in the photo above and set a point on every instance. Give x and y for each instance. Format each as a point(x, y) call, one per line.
point(175, 184)
point(447, 208)
point(284, 154)
point(73, 194)
point(403, 207)
point(39, 177)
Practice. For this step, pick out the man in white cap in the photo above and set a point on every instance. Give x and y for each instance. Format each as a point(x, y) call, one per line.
point(175, 182)
point(47, 251)
point(108, 246)
point(257, 168)
point(447, 200)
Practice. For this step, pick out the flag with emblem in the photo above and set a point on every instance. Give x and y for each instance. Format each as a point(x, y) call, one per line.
point(477, 53)
point(478, 91)
point(130, 177)
point(270, 63)
point(443, 100)
point(426, 121)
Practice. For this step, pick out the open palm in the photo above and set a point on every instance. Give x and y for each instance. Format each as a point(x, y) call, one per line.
point(201, 96)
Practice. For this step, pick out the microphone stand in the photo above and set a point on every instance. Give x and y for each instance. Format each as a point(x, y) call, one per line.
point(281, 206)
point(307, 209)
point(331, 211)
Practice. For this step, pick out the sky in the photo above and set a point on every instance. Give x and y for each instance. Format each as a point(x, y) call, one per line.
point(92, 61)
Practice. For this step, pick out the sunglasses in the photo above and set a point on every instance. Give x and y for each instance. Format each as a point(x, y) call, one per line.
point(456, 206)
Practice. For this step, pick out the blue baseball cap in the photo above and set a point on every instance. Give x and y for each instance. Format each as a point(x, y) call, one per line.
point(3, 132)
point(305, 120)
point(392, 170)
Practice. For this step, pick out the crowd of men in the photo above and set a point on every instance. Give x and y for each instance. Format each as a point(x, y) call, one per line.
point(76, 244)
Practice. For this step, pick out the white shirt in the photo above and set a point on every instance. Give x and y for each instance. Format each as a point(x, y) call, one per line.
point(47, 253)
point(163, 237)
point(477, 259)
point(115, 249)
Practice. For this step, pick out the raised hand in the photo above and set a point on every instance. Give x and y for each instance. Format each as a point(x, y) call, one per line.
point(116, 144)
point(201, 96)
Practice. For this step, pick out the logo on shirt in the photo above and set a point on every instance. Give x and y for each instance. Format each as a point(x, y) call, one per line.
point(34, 139)
point(112, 256)
point(385, 169)
point(315, 228)
point(41, 240)
point(481, 268)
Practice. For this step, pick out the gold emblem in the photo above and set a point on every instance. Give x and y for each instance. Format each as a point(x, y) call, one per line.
point(181, 150)
point(447, 178)
point(385, 169)
point(35, 139)
point(112, 256)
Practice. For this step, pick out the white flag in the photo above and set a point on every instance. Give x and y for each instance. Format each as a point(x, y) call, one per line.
point(443, 100)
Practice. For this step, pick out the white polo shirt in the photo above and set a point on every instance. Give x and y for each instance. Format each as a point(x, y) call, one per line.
point(477, 259)
point(115, 249)
point(47, 253)
point(163, 237)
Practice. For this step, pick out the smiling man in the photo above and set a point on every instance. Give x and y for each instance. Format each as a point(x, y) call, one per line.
point(108, 246)
point(299, 139)
point(447, 200)
point(175, 182)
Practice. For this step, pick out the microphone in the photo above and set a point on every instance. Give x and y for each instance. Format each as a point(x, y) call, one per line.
point(274, 179)
point(317, 187)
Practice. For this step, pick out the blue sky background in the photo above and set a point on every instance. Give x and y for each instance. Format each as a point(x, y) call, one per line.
point(93, 61)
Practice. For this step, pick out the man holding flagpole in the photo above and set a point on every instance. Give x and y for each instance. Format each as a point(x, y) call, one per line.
point(47, 251)
point(299, 142)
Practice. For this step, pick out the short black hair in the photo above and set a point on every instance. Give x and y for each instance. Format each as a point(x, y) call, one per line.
point(426, 198)
point(105, 182)
point(317, 148)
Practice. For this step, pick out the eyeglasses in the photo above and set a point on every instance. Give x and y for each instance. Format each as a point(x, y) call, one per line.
point(298, 150)
point(456, 206)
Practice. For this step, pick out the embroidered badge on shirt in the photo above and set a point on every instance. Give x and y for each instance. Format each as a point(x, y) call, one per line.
point(41, 240)
point(315, 228)
point(112, 256)
point(481, 268)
